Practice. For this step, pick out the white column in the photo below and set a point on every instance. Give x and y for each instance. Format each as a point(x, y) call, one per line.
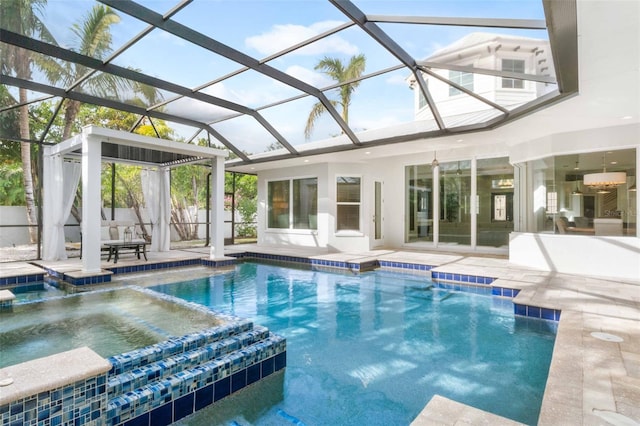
point(91, 191)
point(436, 201)
point(164, 209)
point(217, 208)
point(474, 203)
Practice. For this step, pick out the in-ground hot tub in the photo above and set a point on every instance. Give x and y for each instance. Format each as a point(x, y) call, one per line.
point(110, 322)
point(166, 358)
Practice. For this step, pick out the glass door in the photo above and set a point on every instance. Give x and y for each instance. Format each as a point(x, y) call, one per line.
point(377, 214)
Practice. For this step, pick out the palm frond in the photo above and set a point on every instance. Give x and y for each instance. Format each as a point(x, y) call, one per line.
point(94, 35)
point(332, 67)
point(316, 111)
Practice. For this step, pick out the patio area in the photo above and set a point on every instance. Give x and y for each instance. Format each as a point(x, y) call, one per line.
point(594, 375)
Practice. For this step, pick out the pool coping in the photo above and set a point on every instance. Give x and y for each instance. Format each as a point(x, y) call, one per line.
point(35, 376)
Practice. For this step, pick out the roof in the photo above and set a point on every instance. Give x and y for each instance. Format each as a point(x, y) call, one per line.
point(250, 92)
point(129, 147)
point(479, 39)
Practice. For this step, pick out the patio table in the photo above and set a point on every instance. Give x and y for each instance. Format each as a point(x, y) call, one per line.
point(116, 247)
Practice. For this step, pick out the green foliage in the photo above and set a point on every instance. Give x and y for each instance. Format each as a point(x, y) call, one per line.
point(11, 190)
point(246, 201)
point(189, 183)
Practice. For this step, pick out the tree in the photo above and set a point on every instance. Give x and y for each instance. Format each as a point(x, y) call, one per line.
point(335, 69)
point(246, 198)
point(93, 38)
point(22, 16)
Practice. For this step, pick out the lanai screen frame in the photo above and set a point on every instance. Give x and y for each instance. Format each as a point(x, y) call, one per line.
point(560, 23)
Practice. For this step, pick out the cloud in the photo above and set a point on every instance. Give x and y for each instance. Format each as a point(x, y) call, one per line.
point(398, 79)
point(283, 36)
point(309, 76)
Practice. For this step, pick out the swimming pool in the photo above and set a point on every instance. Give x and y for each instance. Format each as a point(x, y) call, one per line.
point(374, 348)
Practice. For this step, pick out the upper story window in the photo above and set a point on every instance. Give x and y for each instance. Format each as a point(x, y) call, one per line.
point(422, 101)
point(464, 79)
point(348, 203)
point(512, 65)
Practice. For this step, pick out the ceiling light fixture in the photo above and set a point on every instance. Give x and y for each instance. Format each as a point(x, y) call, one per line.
point(604, 180)
point(577, 190)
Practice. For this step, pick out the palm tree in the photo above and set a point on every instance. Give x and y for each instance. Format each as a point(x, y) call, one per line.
point(93, 38)
point(22, 17)
point(335, 69)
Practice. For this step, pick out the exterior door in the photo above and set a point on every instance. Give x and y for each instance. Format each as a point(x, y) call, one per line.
point(378, 220)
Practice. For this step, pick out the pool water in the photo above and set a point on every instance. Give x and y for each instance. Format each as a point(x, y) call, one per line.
point(36, 291)
point(109, 322)
point(374, 348)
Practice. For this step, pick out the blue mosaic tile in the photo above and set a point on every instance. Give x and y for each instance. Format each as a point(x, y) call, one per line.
point(162, 416)
point(222, 388)
point(183, 406)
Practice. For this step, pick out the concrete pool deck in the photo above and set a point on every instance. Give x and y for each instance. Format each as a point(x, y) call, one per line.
point(594, 376)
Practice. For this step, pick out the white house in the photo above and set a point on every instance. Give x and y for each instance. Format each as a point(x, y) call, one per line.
point(520, 189)
point(489, 52)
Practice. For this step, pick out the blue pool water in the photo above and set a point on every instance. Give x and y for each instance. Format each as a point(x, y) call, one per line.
point(110, 322)
point(374, 348)
point(36, 291)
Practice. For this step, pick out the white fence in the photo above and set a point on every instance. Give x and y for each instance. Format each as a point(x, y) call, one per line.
point(14, 231)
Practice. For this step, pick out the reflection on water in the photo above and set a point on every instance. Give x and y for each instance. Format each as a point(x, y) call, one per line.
point(375, 347)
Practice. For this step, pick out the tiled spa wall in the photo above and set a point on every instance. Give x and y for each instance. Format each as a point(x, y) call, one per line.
point(159, 384)
point(81, 403)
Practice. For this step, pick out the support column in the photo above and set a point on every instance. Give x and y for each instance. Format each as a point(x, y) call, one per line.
point(164, 209)
point(217, 208)
point(436, 200)
point(91, 191)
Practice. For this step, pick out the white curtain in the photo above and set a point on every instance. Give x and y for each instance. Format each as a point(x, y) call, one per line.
point(63, 178)
point(151, 191)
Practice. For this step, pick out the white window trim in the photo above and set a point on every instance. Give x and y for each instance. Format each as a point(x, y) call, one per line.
point(290, 229)
point(525, 83)
point(348, 232)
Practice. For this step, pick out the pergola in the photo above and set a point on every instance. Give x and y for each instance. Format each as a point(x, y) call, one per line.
point(94, 145)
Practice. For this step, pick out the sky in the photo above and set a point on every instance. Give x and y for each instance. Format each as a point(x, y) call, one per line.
point(261, 28)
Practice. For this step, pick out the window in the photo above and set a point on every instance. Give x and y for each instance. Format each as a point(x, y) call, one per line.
point(464, 79)
point(293, 203)
point(512, 65)
point(348, 203)
point(278, 201)
point(305, 203)
point(552, 202)
point(422, 101)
